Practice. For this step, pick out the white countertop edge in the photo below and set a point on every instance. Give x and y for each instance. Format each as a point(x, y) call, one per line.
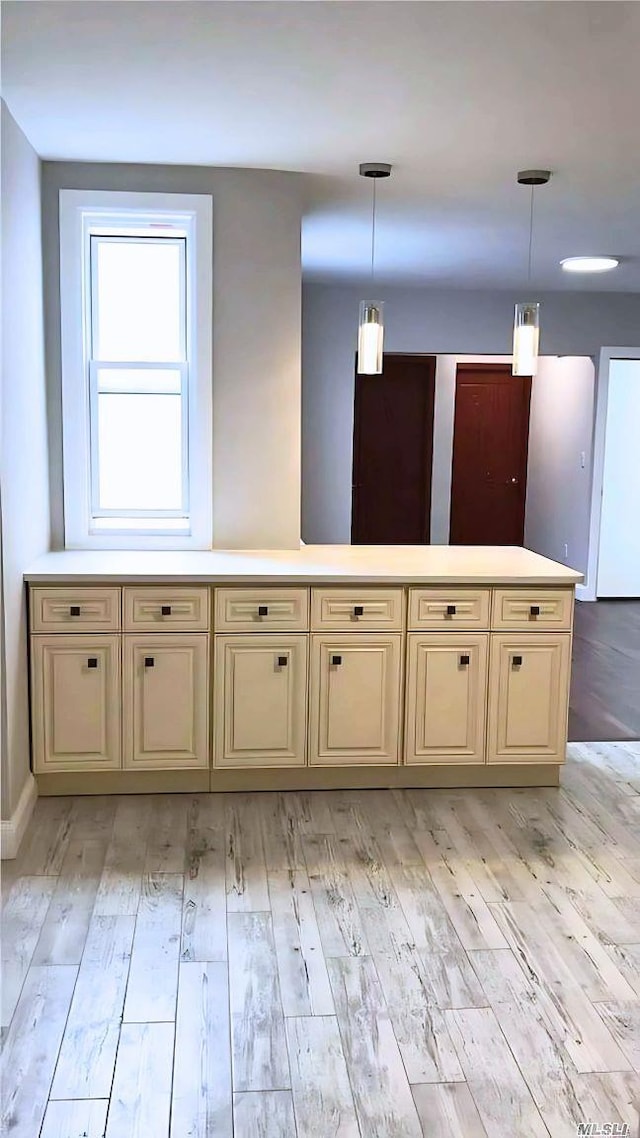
point(320, 565)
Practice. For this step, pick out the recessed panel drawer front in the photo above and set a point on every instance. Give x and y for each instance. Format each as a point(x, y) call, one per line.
point(74, 609)
point(164, 607)
point(262, 610)
point(550, 609)
point(357, 610)
point(440, 609)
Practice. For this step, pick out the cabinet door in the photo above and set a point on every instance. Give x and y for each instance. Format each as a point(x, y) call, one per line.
point(75, 702)
point(528, 697)
point(446, 697)
point(166, 700)
point(261, 700)
point(355, 699)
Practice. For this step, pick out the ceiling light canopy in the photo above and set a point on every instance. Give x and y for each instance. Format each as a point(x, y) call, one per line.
point(371, 327)
point(589, 264)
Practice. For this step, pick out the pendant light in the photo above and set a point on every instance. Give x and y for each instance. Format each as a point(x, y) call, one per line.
point(526, 327)
point(371, 325)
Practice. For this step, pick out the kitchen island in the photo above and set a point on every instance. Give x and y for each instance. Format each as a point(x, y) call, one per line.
point(327, 666)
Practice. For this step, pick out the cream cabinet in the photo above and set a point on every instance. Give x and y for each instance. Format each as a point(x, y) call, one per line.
point(446, 697)
point(528, 697)
point(75, 693)
point(355, 699)
point(166, 700)
point(260, 700)
point(276, 678)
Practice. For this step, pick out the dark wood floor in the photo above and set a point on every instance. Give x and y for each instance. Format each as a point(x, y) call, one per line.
point(605, 686)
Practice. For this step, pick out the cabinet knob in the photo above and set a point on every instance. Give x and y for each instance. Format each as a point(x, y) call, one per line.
point(165, 610)
point(451, 610)
point(92, 662)
point(149, 662)
point(358, 610)
point(516, 661)
point(464, 660)
point(74, 610)
point(535, 610)
point(282, 661)
point(263, 610)
point(336, 661)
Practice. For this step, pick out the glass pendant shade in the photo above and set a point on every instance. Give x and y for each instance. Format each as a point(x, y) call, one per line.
point(370, 338)
point(526, 338)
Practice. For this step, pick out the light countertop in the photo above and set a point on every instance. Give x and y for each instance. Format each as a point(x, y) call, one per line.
point(311, 564)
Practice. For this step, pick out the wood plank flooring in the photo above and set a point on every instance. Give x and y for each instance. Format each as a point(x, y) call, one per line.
point(605, 677)
point(348, 964)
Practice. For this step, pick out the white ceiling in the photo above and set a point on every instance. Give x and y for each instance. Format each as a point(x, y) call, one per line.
point(458, 96)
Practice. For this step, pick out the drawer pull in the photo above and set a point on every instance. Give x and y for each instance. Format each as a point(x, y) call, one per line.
point(92, 662)
point(263, 610)
point(74, 610)
point(149, 662)
point(282, 661)
point(464, 660)
point(451, 610)
point(535, 610)
point(516, 661)
point(358, 610)
point(165, 610)
point(336, 661)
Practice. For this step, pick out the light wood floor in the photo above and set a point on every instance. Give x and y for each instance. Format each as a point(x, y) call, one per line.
point(388, 964)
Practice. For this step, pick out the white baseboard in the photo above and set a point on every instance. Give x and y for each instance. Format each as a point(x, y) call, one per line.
point(12, 830)
point(585, 593)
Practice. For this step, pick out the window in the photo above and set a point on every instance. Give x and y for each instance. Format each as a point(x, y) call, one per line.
point(136, 283)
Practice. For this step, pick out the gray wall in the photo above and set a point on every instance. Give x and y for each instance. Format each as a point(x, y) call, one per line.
point(23, 456)
point(256, 340)
point(558, 477)
point(419, 320)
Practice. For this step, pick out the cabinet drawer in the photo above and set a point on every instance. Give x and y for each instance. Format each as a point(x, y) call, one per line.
point(552, 609)
point(161, 608)
point(449, 608)
point(357, 610)
point(253, 610)
point(65, 610)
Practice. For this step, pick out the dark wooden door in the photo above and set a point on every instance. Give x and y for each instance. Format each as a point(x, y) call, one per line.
point(392, 451)
point(489, 468)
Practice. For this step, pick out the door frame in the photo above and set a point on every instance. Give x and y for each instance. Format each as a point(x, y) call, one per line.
point(504, 368)
point(429, 425)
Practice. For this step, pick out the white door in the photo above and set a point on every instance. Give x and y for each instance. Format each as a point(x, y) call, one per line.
point(75, 702)
point(619, 552)
point(261, 700)
point(355, 699)
point(166, 700)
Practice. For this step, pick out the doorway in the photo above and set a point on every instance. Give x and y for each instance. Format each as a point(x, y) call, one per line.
point(392, 452)
point(489, 465)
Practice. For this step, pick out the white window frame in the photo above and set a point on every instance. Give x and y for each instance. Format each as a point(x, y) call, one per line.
point(81, 213)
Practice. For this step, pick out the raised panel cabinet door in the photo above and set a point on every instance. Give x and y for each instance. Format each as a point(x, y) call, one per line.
point(355, 699)
point(166, 701)
point(446, 697)
point(528, 697)
point(260, 700)
point(76, 698)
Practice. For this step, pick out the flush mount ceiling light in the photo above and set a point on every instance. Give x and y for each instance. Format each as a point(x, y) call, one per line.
point(526, 327)
point(371, 327)
point(589, 264)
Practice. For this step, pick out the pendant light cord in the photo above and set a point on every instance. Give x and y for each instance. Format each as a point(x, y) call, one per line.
point(530, 238)
point(373, 233)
